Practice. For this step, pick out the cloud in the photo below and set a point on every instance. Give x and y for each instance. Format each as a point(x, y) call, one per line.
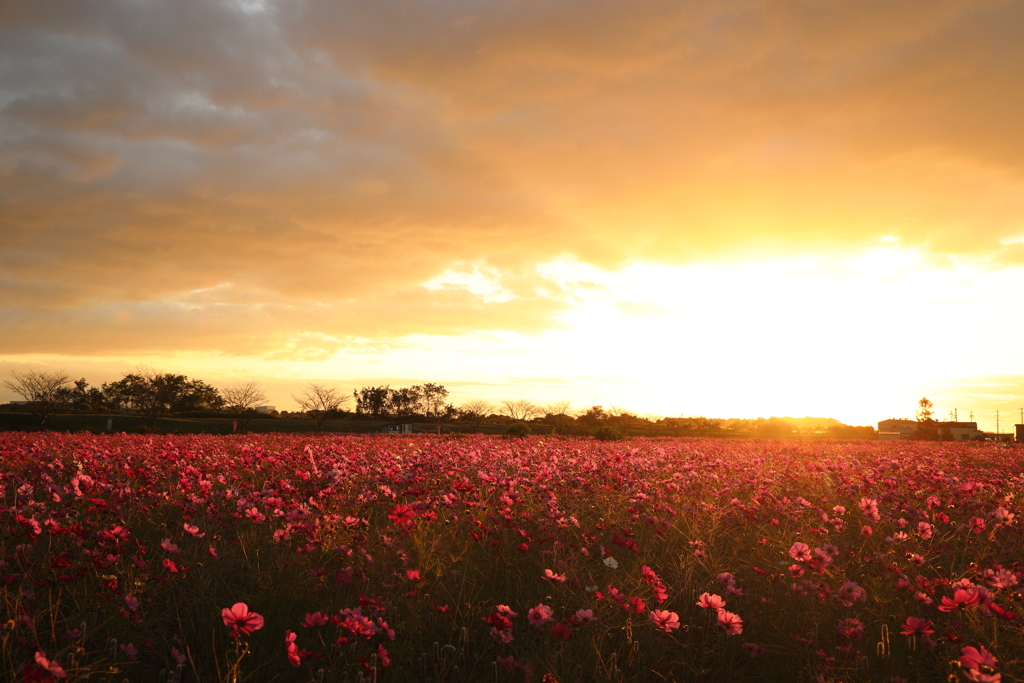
point(325, 159)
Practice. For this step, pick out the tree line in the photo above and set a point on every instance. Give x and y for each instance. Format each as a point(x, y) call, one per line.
point(155, 394)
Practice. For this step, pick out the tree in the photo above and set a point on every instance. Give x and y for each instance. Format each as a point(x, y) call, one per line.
point(557, 415)
point(154, 394)
point(594, 416)
point(373, 401)
point(520, 411)
point(43, 391)
point(242, 400)
point(927, 429)
point(434, 401)
point(320, 402)
point(405, 402)
point(475, 411)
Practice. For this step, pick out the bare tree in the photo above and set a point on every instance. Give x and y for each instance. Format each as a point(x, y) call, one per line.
point(559, 416)
point(475, 411)
point(44, 391)
point(520, 410)
point(242, 399)
point(558, 408)
point(320, 402)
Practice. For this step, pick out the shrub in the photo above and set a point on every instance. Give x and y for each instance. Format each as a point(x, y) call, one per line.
point(606, 433)
point(518, 431)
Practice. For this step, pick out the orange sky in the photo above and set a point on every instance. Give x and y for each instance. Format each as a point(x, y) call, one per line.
point(732, 208)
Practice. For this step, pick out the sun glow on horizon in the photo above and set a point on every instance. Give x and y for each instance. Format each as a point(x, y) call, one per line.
point(856, 337)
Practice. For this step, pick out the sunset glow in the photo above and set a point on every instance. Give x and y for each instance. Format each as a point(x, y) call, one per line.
point(736, 209)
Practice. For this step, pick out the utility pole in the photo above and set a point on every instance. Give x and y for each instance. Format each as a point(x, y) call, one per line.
point(956, 417)
point(997, 423)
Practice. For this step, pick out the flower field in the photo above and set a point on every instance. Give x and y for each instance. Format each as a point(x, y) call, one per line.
point(298, 558)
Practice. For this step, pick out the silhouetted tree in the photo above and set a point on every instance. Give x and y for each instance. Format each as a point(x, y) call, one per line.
point(475, 411)
point(154, 394)
point(434, 402)
point(242, 399)
point(405, 402)
point(520, 410)
point(372, 401)
point(927, 429)
point(43, 391)
point(594, 416)
point(320, 402)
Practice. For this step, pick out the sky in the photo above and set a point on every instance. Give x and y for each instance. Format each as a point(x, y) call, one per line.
point(727, 208)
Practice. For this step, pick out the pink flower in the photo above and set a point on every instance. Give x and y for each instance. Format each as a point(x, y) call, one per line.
point(315, 619)
point(915, 626)
point(213, 552)
point(801, 552)
point(412, 574)
point(241, 620)
point(731, 622)
point(169, 546)
point(850, 593)
point(551, 576)
point(975, 658)
point(540, 615)
point(708, 601)
point(506, 610)
point(754, 649)
point(962, 598)
point(980, 665)
point(52, 666)
point(382, 655)
point(192, 529)
point(178, 658)
point(583, 617)
point(130, 651)
point(255, 515)
point(294, 658)
point(664, 619)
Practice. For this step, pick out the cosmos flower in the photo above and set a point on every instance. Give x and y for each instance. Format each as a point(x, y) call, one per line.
point(241, 620)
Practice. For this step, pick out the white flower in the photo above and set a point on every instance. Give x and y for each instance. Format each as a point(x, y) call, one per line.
point(611, 562)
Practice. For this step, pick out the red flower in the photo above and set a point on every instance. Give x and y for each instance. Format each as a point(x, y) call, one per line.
point(402, 515)
point(561, 631)
point(915, 626)
point(241, 620)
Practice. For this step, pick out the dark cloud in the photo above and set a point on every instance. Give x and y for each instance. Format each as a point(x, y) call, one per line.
point(234, 175)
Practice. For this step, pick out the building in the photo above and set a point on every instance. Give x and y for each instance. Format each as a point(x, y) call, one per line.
point(1019, 431)
point(892, 429)
point(397, 428)
point(266, 409)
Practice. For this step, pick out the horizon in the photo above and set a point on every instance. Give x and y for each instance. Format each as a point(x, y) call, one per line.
point(780, 208)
